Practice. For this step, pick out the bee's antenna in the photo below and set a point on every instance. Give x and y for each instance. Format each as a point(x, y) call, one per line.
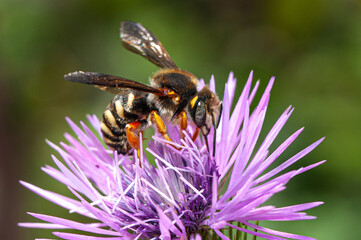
point(214, 140)
point(215, 126)
point(220, 115)
point(206, 140)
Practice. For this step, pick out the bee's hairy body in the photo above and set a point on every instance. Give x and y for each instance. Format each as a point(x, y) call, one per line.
point(132, 105)
point(171, 97)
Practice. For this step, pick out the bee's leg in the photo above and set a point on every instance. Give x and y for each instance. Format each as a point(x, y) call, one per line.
point(195, 134)
point(158, 122)
point(183, 123)
point(183, 126)
point(132, 130)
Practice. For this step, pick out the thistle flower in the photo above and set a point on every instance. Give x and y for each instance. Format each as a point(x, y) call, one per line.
point(189, 193)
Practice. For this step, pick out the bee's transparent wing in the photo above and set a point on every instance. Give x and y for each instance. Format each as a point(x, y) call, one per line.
point(140, 40)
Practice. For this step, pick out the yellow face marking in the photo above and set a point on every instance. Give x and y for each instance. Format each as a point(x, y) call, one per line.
point(109, 116)
point(193, 101)
point(130, 100)
point(106, 129)
point(177, 99)
point(119, 108)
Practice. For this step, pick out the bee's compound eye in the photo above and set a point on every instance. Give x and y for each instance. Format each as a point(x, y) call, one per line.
point(200, 114)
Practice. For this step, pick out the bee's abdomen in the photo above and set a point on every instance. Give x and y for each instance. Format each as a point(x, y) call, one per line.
point(113, 130)
point(125, 108)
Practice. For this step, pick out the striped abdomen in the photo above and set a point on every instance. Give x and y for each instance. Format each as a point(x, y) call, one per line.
point(126, 107)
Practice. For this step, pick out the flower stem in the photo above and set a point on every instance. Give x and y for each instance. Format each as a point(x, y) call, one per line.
point(255, 237)
point(245, 234)
point(239, 233)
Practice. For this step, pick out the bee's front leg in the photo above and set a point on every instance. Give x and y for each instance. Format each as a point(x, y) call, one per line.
point(183, 126)
point(195, 134)
point(182, 123)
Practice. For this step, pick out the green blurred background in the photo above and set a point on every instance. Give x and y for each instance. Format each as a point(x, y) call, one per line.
point(312, 47)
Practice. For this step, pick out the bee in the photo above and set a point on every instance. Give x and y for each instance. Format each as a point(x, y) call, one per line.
point(171, 97)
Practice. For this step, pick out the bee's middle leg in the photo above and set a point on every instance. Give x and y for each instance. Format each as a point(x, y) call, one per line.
point(156, 120)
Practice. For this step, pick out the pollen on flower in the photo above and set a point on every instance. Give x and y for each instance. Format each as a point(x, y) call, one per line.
point(189, 193)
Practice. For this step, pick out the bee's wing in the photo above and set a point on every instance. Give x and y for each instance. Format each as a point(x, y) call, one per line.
point(140, 40)
point(109, 83)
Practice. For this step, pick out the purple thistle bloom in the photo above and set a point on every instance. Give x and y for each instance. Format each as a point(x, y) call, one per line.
point(188, 194)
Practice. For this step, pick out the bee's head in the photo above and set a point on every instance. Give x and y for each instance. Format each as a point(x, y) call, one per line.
point(205, 109)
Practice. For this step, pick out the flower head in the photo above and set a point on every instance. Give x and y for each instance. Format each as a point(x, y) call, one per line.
point(190, 192)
